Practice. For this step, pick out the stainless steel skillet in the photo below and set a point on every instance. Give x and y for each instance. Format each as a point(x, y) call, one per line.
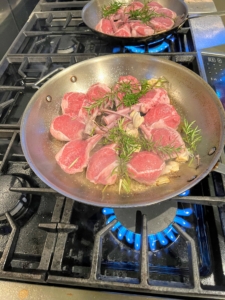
point(194, 98)
point(92, 13)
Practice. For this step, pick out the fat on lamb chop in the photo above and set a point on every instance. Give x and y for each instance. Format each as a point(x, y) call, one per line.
point(101, 165)
point(161, 23)
point(164, 136)
point(66, 128)
point(153, 97)
point(164, 112)
point(74, 156)
point(145, 167)
point(72, 104)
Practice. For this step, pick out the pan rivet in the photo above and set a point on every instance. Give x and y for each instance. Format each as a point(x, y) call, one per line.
point(73, 79)
point(195, 176)
point(211, 151)
point(49, 98)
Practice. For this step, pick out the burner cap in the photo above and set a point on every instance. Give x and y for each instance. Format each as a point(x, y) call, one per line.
point(159, 216)
point(10, 202)
point(66, 45)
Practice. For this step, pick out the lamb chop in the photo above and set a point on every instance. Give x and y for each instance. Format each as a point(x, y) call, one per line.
point(145, 167)
point(72, 104)
point(74, 156)
point(101, 165)
point(164, 136)
point(66, 128)
point(165, 112)
point(161, 23)
point(153, 97)
point(166, 12)
point(105, 26)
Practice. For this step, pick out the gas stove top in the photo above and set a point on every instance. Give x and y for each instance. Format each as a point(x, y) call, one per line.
point(48, 239)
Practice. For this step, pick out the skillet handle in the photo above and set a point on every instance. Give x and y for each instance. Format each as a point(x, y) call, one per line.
point(219, 168)
point(200, 15)
point(35, 86)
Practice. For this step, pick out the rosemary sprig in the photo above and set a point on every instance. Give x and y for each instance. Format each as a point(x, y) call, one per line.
point(143, 14)
point(132, 91)
point(111, 9)
point(127, 145)
point(99, 103)
point(191, 135)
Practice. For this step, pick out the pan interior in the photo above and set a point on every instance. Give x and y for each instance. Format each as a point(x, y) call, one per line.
point(194, 99)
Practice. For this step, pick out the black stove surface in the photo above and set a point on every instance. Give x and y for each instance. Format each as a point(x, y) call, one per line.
point(47, 238)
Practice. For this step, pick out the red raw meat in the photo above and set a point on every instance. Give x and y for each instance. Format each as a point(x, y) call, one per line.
point(165, 112)
point(154, 4)
point(153, 97)
point(124, 31)
point(105, 26)
point(66, 128)
point(97, 91)
point(145, 167)
point(161, 23)
point(135, 87)
point(164, 136)
point(138, 30)
point(167, 12)
point(74, 156)
point(72, 104)
point(101, 166)
point(135, 5)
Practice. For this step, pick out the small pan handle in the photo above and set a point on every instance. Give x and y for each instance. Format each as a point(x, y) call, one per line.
point(200, 15)
point(35, 85)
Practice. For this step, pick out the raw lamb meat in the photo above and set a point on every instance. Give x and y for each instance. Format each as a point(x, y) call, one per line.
point(74, 156)
point(154, 4)
point(135, 88)
point(101, 165)
point(165, 112)
point(97, 91)
point(138, 30)
point(66, 128)
point(164, 136)
point(124, 31)
point(153, 97)
point(105, 26)
point(145, 167)
point(167, 12)
point(161, 23)
point(135, 5)
point(72, 104)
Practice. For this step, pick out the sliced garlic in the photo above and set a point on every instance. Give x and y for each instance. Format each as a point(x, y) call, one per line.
point(171, 166)
point(183, 157)
point(137, 118)
point(162, 180)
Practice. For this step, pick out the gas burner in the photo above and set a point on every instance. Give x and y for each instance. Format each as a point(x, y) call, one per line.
point(66, 44)
point(20, 206)
point(160, 219)
point(154, 47)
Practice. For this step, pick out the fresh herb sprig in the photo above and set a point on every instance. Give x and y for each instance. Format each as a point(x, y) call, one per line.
point(99, 103)
point(143, 14)
point(132, 92)
point(127, 145)
point(191, 136)
point(111, 9)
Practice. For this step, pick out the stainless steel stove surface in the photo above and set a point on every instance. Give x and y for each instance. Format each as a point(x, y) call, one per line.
point(53, 241)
